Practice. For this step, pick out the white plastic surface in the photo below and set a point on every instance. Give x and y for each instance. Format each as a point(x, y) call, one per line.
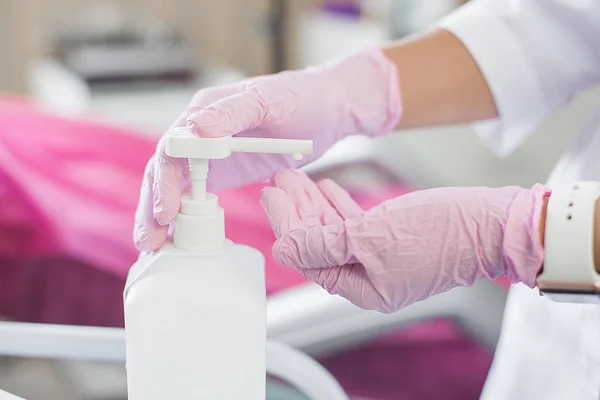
point(20, 339)
point(309, 377)
point(196, 325)
point(569, 241)
point(7, 396)
point(108, 344)
point(202, 232)
point(200, 224)
point(181, 143)
point(272, 146)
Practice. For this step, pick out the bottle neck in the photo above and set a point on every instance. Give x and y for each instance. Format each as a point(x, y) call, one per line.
point(200, 224)
point(198, 168)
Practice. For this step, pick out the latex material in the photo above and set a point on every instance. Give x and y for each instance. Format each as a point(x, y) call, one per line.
point(406, 249)
point(354, 95)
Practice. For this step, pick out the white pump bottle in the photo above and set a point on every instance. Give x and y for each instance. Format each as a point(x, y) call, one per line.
point(195, 311)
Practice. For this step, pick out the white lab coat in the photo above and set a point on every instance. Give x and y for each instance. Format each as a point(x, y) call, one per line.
point(536, 55)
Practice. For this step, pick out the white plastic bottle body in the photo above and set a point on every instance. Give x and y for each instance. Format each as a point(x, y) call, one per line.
point(196, 326)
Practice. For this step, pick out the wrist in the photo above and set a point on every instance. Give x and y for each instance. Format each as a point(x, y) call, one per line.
point(542, 223)
point(542, 226)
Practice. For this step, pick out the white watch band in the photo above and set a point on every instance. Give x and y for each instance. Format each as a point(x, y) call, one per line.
point(569, 274)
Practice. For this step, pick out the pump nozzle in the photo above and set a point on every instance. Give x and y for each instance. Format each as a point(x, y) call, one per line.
point(199, 212)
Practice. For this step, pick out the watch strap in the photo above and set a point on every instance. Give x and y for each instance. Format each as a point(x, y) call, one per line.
point(569, 241)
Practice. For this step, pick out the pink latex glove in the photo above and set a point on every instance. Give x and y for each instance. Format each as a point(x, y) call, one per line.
point(354, 95)
point(408, 248)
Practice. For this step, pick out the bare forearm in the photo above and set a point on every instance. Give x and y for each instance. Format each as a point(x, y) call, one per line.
point(440, 82)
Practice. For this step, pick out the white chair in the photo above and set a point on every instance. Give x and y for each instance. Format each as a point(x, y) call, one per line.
point(108, 345)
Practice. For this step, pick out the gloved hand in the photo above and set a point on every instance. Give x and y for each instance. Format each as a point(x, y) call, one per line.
point(406, 249)
point(355, 95)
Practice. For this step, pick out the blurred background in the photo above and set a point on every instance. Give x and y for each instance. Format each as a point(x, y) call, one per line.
point(132, 66)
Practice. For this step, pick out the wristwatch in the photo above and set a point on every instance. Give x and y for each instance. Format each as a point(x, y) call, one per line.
point(569, 274)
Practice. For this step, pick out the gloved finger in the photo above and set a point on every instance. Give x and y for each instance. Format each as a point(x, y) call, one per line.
point(314, 247)
point(313, 208)
point(202, 99)
point(169, 180)
point(148, 234)
point(327, 213)
point(229, 116)
point(349, 281)
point(340, 199)
point(280, 211)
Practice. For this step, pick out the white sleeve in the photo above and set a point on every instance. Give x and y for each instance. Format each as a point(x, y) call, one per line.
point(535, 56)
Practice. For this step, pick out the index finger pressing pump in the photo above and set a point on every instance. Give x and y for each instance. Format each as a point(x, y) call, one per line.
point(195, 311)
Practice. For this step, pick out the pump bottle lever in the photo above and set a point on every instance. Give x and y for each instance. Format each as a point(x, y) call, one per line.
point(297, 148)
point(181, 143)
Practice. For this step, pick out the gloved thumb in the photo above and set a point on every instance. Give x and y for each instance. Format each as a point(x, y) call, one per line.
point(229, 116)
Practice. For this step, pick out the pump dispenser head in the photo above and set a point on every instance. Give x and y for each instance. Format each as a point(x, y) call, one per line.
point(200, 225)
